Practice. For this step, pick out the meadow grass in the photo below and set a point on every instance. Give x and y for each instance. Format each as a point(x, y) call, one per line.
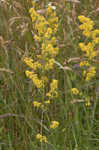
point(54, 107)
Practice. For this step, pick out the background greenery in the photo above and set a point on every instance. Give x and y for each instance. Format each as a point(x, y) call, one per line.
point(19, 121)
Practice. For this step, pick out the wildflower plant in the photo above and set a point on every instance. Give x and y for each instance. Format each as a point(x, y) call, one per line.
point(45, 28)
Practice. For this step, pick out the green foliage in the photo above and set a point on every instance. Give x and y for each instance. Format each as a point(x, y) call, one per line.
point(19, 120)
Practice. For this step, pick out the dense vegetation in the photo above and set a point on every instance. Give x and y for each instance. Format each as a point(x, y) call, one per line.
point(49, 75)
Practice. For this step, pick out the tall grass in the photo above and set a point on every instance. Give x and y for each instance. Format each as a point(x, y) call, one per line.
point(20, 121)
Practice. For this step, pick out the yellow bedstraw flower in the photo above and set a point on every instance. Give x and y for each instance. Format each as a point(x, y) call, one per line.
point(49, 64)
point(36, 104)
point(49, 10)
point(86, 26)
point(47, 102)
point(54, 124)
point(37, 38)
point(41, 27)
point(34, 66)
point(83, 19)
point(29, 74)
point(33, 14)
point(41, 138)
point(44, 79)
point(54, 85)
point(84, 73)
point(89, 49)
point(84, 63)
point(87, 103)
point(91, 73)
point(52, 19)
point(44, 139)
point(38, 136)
point(94, 33)
point(75, 91)
point(29, 62)
point(53, 89)
point(38, 83)
point(82, 46)
point(53, 41)
point(48, 33)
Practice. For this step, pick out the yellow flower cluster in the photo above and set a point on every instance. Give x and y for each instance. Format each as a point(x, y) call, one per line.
point(84, 63)
point(88, 48)
point(54, 124)
point(88, 31)
point(52, 19)
point(48, 49)
point(87, 25)
point(45, 29)
point(34, 66)
point(41, 138)
point(91, 73)
point(87, 102)
point(44, 32)
point(75, 91)
point(49, 64)
point(36, 104)
point(53, 89)
point(38, 83)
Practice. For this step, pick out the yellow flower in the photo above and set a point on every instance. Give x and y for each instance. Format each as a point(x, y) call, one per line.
point(84, 73)
point(84, 63)
point(38, 83)
point(96, 41)
point(54, 85)
point(49, 10)
point(49, 64)
point(47, 102)
point(36, 104)
point(48, 94)
point(29, 62)
point(75, 91)
point(54, 124)
point(94, 33)
point(48, 33)
point(53, 41)
point(89, 49)
point(88, 103)
point(36, 65)
point(32, 65)
point(82, 46)
point(29, 74)
point(86, 33)
point(38, 136)
point(44, 79)
point(91, 73)
point(83, 19)
point(87, 24)
point(33, 14)
point(41, 138)
point(37, 38)
point(53, 89)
